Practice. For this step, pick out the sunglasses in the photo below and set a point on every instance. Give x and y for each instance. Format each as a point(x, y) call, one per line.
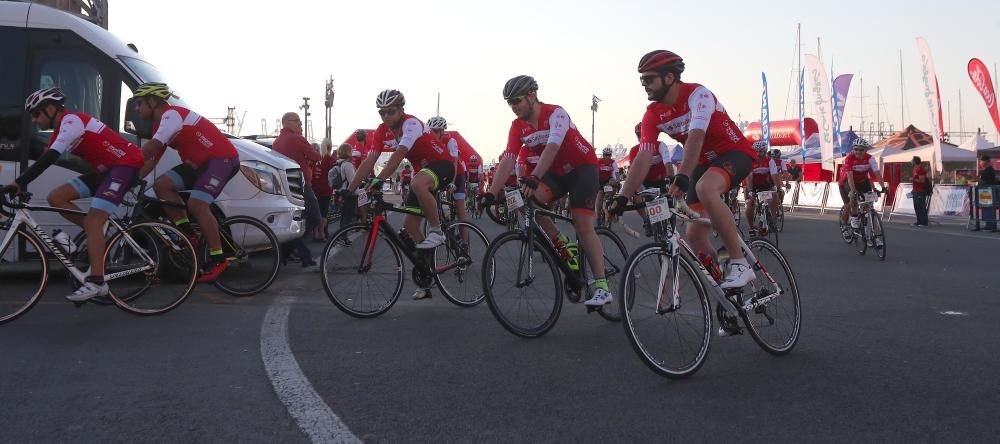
point(387, 112)
point(515, 100)
point(35, 113)
point(647, 79)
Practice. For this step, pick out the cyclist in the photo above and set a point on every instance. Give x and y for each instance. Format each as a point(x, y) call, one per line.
point(567, 164)
point(607, 171)
point(716, 155)
point(208, 161)
point(475, 173)
point(660, 170)
point(405, 177)
point(437, 126)
point(763, 177)
point(855, 178)
point(434, 167)
point(116, 163)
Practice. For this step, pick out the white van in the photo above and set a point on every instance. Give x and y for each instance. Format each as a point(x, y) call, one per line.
point(43, 47)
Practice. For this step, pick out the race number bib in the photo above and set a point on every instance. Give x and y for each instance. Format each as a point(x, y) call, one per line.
point(765, 195)
point(871, 197)
point(658, 210)
point(363, 198)
point(608, 189)
point(514, 200)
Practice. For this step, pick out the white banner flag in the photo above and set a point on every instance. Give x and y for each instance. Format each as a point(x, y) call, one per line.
point(818, 93)
point(929, 78)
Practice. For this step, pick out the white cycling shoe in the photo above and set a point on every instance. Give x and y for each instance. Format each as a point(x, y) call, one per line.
point(601, 298)
point(433, 239)
point(738, 276)
point(89, 290)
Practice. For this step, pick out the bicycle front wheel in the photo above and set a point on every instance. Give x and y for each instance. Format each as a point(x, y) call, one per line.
point(861, 236)
point(615, 256)
point(673, 344)
point(878, 235)
point(362, 271)
point(460, 264)
point(150, 268)
point(251, 248)
point(24, 280)
point(527, 299)
point(775, 324)
point(771, 223)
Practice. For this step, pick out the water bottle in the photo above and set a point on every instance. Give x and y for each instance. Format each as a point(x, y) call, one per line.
point(711, 265)
point(407, 240)
point(63, 241)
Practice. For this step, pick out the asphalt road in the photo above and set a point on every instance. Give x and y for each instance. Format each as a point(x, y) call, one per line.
point(902, 350)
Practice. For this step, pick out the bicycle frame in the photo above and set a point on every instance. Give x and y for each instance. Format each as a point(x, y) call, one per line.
point(531, 230)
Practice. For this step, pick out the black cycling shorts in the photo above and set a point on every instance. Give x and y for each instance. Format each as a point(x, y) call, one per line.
point(735, 165)
point(443, 173)
point(581, 184)
point(863, 187)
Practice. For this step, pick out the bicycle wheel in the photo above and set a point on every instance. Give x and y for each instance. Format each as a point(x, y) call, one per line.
point(251, 248)
point(359, 285)
point(672, 344)
point(861, 237)
point(497, 213)
point(150, 268)
point(779, 221)
point(460, 264)
point(878, 235)
point(770, 223)
point(527, 300)
point(615, 256)
point(775, 325)
point(24, 281)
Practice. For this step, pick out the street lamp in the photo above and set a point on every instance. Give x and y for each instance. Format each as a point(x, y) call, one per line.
point(594, 100)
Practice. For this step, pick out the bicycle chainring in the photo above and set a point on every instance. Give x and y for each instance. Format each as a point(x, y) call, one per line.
point(422, 277)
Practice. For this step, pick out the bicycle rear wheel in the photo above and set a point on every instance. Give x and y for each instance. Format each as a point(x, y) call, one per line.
point(251, 248)
point(459, 265)
point(775, 325)
point(359, 285)
point(528, 299)
point(150, 268)
point(24, 281)
point(672, 344)
point(615, 256)
point(878, 235)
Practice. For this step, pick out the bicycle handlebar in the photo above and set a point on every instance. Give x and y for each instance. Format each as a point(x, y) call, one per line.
point(20, 202)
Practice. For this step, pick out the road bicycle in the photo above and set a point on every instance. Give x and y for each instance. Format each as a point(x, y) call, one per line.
point(764, 225)
point(870, 232)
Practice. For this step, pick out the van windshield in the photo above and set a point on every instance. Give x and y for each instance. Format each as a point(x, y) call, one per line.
point(145, 71)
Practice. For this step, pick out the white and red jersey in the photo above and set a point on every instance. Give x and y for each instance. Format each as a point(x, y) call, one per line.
point(861, 167)
point(696, 108)
point(526, 161)
point(761, 171)
point(657, 163)
point(554, 126)
point(607, 169)
point(358, 155)
point(455, 152)
point(92, 140)
point(475, 167)
point(195, 138)
point(405, 175)
point(422, 147)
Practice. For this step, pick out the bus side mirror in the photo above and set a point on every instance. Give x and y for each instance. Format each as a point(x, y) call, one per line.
point(134, 123)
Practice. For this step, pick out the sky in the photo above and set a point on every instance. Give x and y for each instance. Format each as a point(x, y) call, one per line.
point(263, 57)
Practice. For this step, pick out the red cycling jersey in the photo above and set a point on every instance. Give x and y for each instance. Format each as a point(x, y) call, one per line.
point(606, 169)
point(94, 142)
point(195, 138)
point(657, 163)
point(405, 176)
point(862, 167)
point(455, 152)
point(554, 126)
point(423, 147)
point(475, 167)
point(696, 108)
point(527, 160)
point(761, 171)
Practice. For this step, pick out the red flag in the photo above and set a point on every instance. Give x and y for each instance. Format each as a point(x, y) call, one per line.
point(981, 80)
point(940, 115)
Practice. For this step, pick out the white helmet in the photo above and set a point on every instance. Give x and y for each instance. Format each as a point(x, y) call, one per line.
point(606, 151)
point(759, 146)
point(390, 97)
point(862, 143)
point(44, 95)
point(437, 123)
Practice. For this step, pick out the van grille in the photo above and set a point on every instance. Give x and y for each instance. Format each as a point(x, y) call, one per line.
point(295, 183)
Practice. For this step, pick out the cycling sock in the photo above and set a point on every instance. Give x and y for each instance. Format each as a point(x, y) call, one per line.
point(740, 261)
point(437, 228)
point(183, 223)
point(215, 255)
point(601, 283)
point(99, 280)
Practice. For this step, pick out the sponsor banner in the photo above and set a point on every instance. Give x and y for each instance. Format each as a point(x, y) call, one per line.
point(802, 114)
point(819, 96)
point(765, 114)
point(811, 194)
point(931, 99)
point(903, 203)
point(789, 198)
point(840, 87)
point(950, 200)
point(985, 197)
point(984, 84)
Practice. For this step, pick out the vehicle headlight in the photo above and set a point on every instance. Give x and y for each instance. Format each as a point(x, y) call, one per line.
point(262, 176)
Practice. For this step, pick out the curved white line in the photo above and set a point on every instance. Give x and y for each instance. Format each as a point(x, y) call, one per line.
point(308, 409)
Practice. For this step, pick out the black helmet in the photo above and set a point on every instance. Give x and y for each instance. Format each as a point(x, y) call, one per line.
point(519, 86)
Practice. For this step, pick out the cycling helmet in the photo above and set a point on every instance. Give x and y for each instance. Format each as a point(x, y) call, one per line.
point(638, 133)
point(661, 61)
point(37, 98)
point(390, 97)
point(776, 153)
point(406, 166)
point(519, 86)
point(160, 90)
point(862, 143)
point(606, 152)
point(759, 146)
point(437, 123)
point(473, 158)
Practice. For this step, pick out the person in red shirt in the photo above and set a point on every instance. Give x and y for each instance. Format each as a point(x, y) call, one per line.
point(405, 176)
point(359, 148)
point(208, 161)
point(919, 192)
point(607, 174)
point(567, 164)
point(855, 177)
point(660, 169)
point(716, 155)
point(321, 186)
point(437, 126)
point(115, 162)
point(764, 176)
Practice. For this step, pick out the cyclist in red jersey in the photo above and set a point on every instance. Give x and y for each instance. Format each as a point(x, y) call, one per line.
point(567, 164)
point(437, 126)
point(716, 155)
point(359, 148)
point(660, 169)
point(763, 177)
point(115, 162)
point(855, 177)
point(405, 176)
point(434, 167)
point(208, 161)
point(607, 173)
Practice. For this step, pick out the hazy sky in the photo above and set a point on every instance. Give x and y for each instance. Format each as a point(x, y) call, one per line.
point(263, 57)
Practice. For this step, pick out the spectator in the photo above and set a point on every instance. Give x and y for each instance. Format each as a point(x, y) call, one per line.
point(920, 195)
point(293, 145)
point(324, 194)
point(794, 171)
point(345, 168)
point(987, 175)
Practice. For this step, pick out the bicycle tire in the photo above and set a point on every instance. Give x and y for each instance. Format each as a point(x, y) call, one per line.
point(754, 321)
point(639, 311)
point(500, 299)
point(462, 286)
point(253, 254)
point(12, 306)
point(173, 250)
point(770, 223)
point(861, 237)
point(340, 264)
point(878, 234)
point(494, 213)
point(614, 266)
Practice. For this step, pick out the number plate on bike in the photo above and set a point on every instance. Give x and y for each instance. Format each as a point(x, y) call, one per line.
point(514, 199)
point(363, 198)
point(871, 197)
point(608, 189)
point(658, 210)
point(765, 195)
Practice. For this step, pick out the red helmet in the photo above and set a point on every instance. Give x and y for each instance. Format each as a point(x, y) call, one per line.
point(661, 61)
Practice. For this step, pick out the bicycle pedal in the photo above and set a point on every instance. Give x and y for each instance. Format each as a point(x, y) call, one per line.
point(730, 331)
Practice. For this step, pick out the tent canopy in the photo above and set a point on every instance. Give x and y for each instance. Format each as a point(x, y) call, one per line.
point(949, 153)
point(911, 137)
point(976, 143)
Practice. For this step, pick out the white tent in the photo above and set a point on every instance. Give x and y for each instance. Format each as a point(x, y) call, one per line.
point(976, 143)
point(949, 153)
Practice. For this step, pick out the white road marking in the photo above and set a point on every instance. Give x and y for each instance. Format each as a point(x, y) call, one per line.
point(954, 313)
point(312, 414)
